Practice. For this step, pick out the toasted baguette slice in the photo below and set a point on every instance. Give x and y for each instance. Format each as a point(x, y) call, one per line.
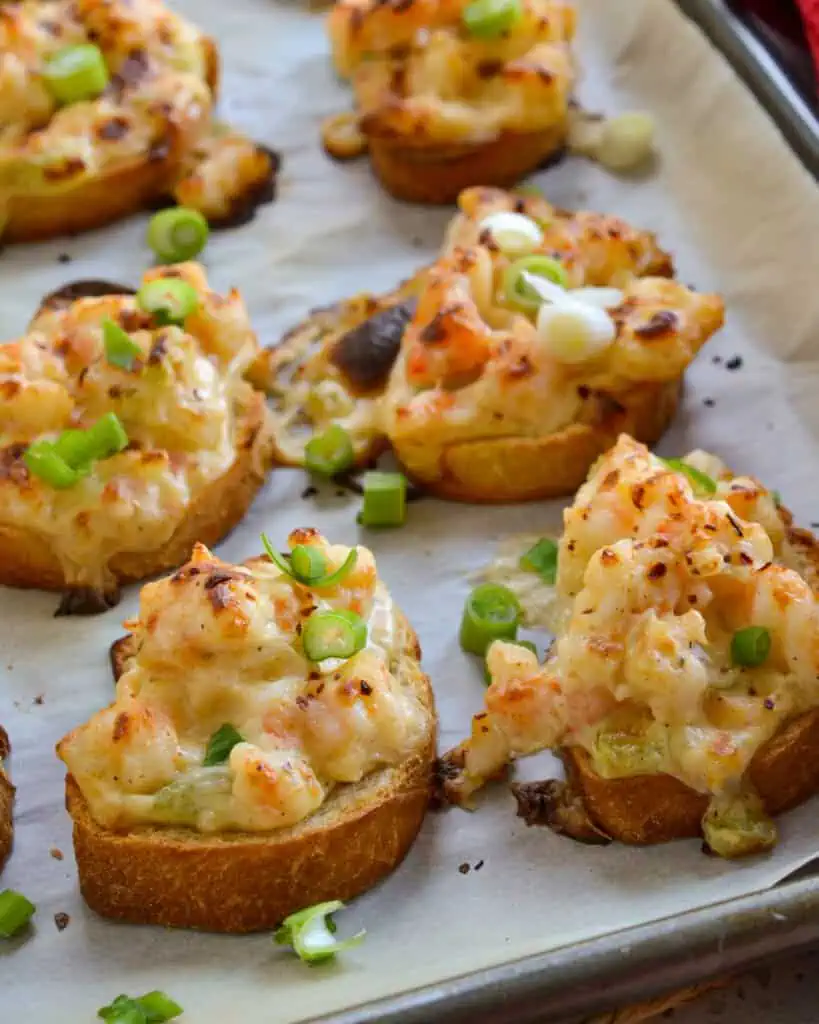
point(28, 561)
point(646, 809)
point(515, 469)
point(436, 175)
point(6, 799)
point(239, 882)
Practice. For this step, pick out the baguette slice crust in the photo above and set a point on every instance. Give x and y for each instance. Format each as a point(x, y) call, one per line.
point(6, 800)
point(436, 175)
point(516, 469)
point(235, 882)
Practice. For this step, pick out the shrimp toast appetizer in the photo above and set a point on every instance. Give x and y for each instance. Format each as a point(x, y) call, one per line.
point(537, 338)
point(270, 745)
point(128, 432)
point(6, 800)
point(452, 94)
point(681, 689)
point(331, 370)
point(106, 107)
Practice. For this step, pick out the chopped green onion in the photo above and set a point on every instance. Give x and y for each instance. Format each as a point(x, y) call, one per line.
point(153, 1008)
point(177, 234)
point(307, 563)
point(76, 73)
point(336, 634)
point(297, 564)
point(385, 499)
point(518, 293)
point(542, 559)
point(777, 498)
point(329, 453)
point(488, 19)
point(15, 913)
point(492, 612)
point(701, 482)
point(487, 675)
point(220, 745)
point(311, 932)
point(77, 449)
point(750, 647)
point(120, 350)
point(42, 461)
point(169, 300)
point(108, 436)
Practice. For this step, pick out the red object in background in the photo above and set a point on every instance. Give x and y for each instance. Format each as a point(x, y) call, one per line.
point(796, 20)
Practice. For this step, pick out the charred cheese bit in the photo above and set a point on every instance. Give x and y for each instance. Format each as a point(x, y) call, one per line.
point(656, 582)
point(181, 404)
point(419, 75)
point(219, 643)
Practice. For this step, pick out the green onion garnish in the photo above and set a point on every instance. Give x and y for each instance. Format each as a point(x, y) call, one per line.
point(76, 73)
point(492, 612)
point(336, 634)
point(385, 499)
point(220, 745)
point(153, 1008)
point(120, 350)
point(329, 453)
point(311, 933)
point(42, 461)
point(518, 293)
point(750, 647)
point(15, 913)
point(168, 299)
point(487, 675)
point(542, 559)
point(701, 482)
point(77, 449)
point(177, 234)
point(488, 19)
point(777, 498)
point(108, 436)
point(303, 565)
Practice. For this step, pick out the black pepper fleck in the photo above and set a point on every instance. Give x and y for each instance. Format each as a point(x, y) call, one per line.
point(464, 868)
point(734, 363)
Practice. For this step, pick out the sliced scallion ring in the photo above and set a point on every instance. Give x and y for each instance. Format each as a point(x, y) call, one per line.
point(108, 436)
point(751, 646)
point(335, 634)
point(15, 913)
point(76, 73)
point(492, 612)
point(542, 559)
point(385, 499)
point(168, 299)
point(310, 562)
point(152, 1008)
point(311, 933)
point(518, 293)
point(177, 234)
point(220, 745)
point(488, 19)
point(120, 350)
point(330, 452)
point(43, 461)
point(701, 482)
point(514, 233)
point(307, 563)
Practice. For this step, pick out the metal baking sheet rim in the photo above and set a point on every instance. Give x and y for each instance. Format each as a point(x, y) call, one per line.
point(771, 86)
point(641, 963)
point(616, 970)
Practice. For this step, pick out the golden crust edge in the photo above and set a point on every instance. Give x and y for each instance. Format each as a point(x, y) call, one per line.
point(246, 882)
point(6, 801)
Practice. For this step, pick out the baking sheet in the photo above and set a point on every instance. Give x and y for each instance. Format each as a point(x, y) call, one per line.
point(741, 216)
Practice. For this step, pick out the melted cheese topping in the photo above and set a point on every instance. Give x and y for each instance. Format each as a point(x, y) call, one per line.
point(420, 78)
point(473, 367)
point(654, 580)
point(180, 404)
point(219, 643)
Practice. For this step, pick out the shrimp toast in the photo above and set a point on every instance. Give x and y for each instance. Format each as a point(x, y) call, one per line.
point(327, 782)
point(681, 688)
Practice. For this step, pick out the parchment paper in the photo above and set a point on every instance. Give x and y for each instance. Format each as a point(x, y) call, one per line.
point(740, 215)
